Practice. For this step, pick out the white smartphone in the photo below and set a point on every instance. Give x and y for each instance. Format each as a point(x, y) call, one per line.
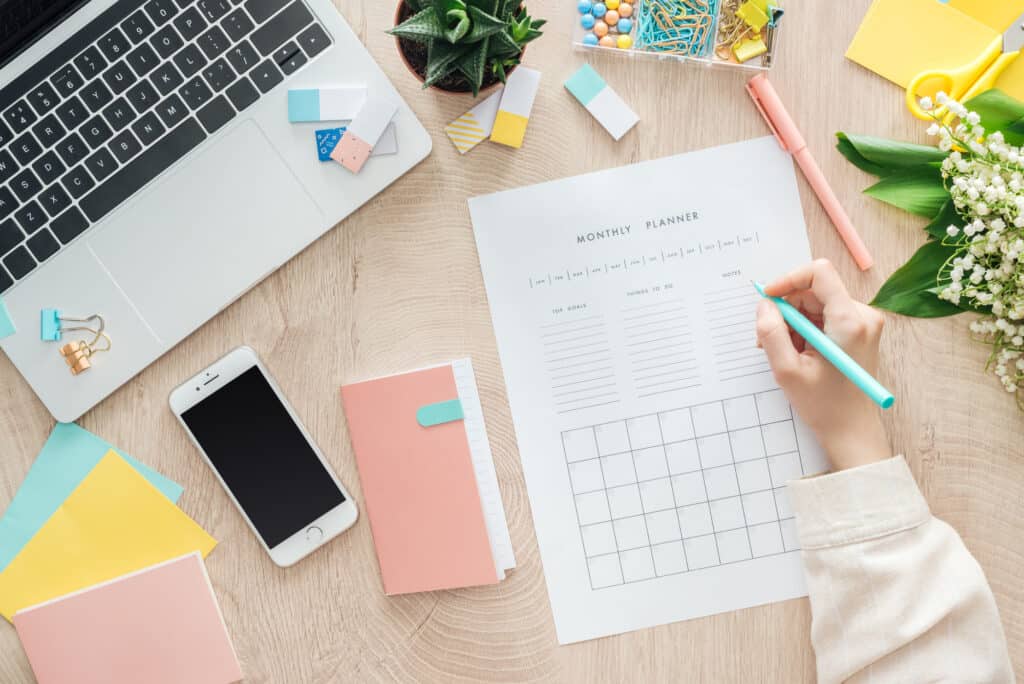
point(263, 456)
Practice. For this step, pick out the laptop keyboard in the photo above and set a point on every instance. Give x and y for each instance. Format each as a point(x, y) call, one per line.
point(129, 95)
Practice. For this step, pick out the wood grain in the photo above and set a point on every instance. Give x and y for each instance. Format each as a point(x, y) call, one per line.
point(398, 286)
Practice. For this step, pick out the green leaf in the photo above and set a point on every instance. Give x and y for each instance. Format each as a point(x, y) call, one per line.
point(472, 66)
point(442, 58)
point(484, 25)
point(946, 217)
point(1000, 112)
point(458, 24)
point(421, 27)
point(918, 190)
point(881, 157)
point(910, 290)
point(502, 45)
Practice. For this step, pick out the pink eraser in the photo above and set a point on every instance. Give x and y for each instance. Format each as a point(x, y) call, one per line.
point(352, 152)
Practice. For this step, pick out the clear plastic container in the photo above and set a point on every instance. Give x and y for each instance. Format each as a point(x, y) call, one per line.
point(707, 32)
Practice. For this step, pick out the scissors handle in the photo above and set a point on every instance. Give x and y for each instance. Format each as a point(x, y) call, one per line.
point(914, 94)
point(954, 82)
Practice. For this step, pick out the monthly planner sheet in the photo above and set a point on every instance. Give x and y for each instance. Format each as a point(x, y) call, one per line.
point(655, 442)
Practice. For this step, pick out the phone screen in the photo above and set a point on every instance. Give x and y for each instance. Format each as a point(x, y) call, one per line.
point(263, 457)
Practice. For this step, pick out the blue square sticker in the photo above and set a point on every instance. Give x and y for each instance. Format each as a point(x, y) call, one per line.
point(326, 140)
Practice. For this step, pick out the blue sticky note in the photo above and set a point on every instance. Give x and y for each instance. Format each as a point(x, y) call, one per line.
point(67, 457)
point(6, 324)
point(326, 140)
point(441, 412)
point(303, 105)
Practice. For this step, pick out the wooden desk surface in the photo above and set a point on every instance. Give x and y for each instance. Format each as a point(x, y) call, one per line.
point(398, 286)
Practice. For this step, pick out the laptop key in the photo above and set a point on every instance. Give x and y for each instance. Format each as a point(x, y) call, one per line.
point(25, 148)
point(43, 245)
point(7, 205)
point(97, 95)
point(96, 131)
point(49, 167)
point(119, 114)
point(54, 199)
point(8, 167)
point(242, 93)
point(101, 163)
point(213, 10)
point(43, 98)
point(142, 59)
point(314, 40)
point(166, 78)
point(25, 185)
point(281, 28)
point(141, 170)
point(189, 23)
point(69, 225)
point(77, 182)
point(142, 96)
point(125, 146)
point(5, 134)
point(137, 27)
point(219, 75)
point(261, 10)
point(71, 149)
point(216, 114)
point(19, 263)
point(243, 57)
point(30, 217)
point(294, 61)
point(166, 41)
point(10, 236)
point(67, 81)
point(119, 77)
point(148, 128)
point(266, 75)
point(172, 111)
point(48, 131)
point(195, 93)
point(6, 281)
point(190, 60)
point(238, 24)
point(160, 11)
point(90, 63)
point(72, 113)
point(20, 116)
point(213, 42)
point(114, 45)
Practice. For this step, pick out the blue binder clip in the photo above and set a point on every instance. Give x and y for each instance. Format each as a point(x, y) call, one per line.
point(51, 324)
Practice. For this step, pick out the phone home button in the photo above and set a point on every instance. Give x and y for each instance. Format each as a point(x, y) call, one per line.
point(314, 534)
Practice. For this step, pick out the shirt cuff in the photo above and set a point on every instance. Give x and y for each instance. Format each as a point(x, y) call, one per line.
point(858, 504)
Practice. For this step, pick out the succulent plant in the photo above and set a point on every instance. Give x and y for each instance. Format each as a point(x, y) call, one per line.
point(469, 37)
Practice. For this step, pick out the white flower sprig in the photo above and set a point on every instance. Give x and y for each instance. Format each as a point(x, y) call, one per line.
point(985, 178)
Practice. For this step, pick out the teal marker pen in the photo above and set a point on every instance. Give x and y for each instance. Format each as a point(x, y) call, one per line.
point(831, 351)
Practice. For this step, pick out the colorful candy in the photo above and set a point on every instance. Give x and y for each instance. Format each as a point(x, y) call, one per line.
point(611, 17)
point(588, 21)
point(624, 25)
point(590, 39)
point(599, 10)
point(624, 41)
point(601, 29)
point(585, 6)
point(611, 4)
point(625, 10)
point(608, 41)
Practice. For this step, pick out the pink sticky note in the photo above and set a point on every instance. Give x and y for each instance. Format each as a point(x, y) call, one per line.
point(419, 484)
point(161, 625)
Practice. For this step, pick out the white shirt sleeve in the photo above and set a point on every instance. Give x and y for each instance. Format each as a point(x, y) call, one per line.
point(895, 595)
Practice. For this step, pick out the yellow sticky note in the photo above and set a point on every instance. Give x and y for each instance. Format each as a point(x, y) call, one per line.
point(113, 523)
point(900, 39)
point(998, 14)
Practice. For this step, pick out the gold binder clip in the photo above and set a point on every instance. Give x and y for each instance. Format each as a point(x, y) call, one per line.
point(78, 354)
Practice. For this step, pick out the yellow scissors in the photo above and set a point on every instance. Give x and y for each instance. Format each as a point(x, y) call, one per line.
point(980, 75)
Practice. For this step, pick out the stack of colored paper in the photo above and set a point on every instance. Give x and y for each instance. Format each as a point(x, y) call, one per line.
point(87, 515)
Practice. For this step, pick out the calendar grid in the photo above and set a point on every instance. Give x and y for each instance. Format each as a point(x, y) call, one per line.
point(684, 489)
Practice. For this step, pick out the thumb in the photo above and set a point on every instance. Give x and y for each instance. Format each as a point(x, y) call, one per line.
point(773, 337)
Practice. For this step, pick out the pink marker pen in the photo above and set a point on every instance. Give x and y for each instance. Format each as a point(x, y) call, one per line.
point(789, 137)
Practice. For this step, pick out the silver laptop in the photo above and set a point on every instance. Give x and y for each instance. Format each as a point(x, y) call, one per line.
point(148, 172)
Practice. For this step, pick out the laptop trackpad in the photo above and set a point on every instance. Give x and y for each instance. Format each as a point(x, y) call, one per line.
point(198, 238)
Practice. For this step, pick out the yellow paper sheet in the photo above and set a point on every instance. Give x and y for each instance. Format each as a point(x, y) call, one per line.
point(113, 523)
point(900, 39)
point(998, 14)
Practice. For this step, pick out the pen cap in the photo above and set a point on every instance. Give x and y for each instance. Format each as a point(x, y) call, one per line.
point(774, 112)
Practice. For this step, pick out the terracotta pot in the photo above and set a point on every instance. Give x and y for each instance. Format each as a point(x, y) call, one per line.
point(401, 14)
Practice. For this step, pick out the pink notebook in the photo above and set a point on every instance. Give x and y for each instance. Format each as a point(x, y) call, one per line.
point(161, 625)
point(428, 479)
